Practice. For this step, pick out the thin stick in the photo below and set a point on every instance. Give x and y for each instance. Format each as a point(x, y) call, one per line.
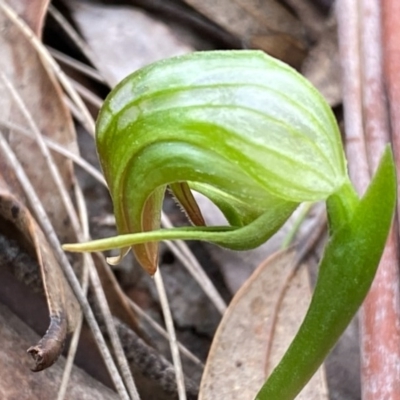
point(115, 340)
point(159, 329)
point(83, 216)
point(349, 50)
point(102, 301)
point(76, 65)
point(76, 158)
point(391, 49)
point(73, 35)
point(380, 314)
point(180, 380)
point(54, 172)
point(183, 253)
point(87, 94)
point(76, 112)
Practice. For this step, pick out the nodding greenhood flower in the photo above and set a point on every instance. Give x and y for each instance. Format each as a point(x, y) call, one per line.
point(243, 128)
point(257, 138)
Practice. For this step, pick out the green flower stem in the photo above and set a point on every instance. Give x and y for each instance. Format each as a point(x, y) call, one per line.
point(341, 206)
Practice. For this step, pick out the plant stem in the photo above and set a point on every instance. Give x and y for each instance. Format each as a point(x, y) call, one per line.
point(341, 205)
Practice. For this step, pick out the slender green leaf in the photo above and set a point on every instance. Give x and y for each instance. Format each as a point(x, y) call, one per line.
point(346, 273)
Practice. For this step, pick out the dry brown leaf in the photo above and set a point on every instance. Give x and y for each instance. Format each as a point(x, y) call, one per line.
point(124, 38)
point(265, 25)
point(16, 383)
point(41, 96)
point(237, 359)
point(33, 12)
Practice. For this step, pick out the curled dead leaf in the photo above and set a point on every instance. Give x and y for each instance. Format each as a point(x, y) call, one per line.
point(63, 308)
point(16, 383)
point(49, 347)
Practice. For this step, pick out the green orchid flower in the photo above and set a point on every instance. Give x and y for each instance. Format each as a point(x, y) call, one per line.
point(257, 139)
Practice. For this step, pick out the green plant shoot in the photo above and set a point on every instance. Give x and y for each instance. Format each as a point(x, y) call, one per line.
point(257, 139)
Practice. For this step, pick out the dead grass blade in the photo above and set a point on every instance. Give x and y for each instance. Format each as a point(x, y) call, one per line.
point(85, 285)
point(76, 65)
point(159, 329)
point(74, 36)
point(183, 253)
point(74, 157)
point(169, 323)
